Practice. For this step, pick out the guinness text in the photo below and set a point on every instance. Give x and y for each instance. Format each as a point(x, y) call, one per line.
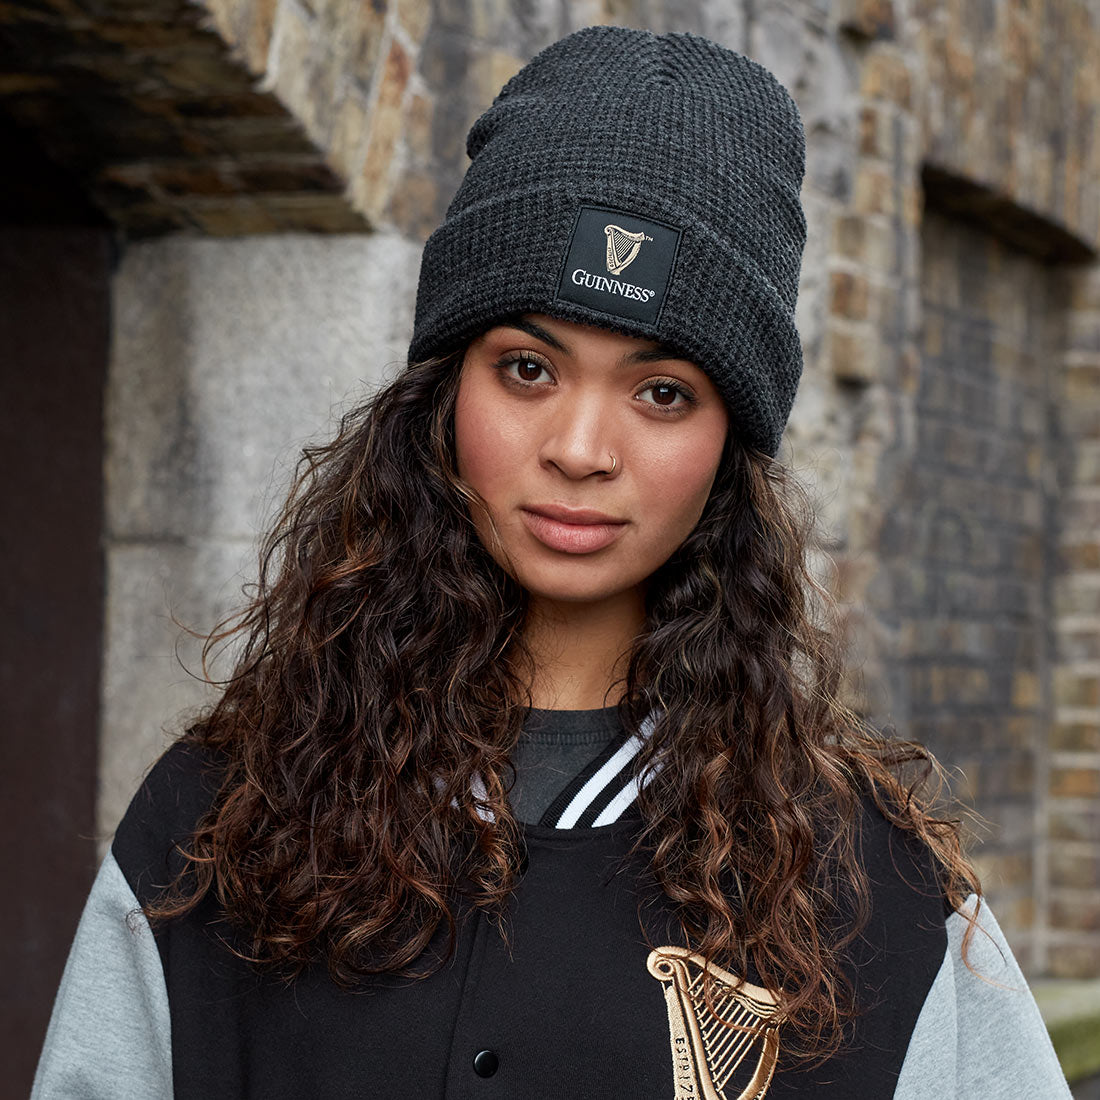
point(611, 286)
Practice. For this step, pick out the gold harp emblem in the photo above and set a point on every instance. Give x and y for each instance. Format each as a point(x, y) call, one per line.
point(707, 1054)
point(622, 247)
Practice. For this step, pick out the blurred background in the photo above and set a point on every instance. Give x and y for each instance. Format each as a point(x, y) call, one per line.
point(211, 219)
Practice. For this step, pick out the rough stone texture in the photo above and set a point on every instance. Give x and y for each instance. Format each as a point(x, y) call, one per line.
point(113, 90)
point(145, 104)
point(232, 117)
point(1011, 101)
point(227, 357)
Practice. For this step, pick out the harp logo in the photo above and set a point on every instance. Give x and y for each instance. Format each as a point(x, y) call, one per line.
point(618, 264)
point(724, 1052)
point(622, 247)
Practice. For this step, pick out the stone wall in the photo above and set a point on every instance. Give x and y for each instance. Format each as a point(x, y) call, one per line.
point(227, 357)
point(143, 104)
point(977, 459)
point(1073, 790)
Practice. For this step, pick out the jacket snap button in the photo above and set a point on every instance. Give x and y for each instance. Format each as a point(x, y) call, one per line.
point(486, 1063)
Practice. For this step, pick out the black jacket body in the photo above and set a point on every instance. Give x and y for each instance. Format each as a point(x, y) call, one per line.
point(565, 1008)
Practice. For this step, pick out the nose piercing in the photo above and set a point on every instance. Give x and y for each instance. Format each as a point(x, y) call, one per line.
point(614, 463)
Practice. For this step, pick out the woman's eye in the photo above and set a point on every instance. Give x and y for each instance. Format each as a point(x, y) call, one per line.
point(523, 368)
point(665, 395)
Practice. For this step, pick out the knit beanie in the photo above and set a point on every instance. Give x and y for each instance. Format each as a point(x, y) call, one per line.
point(647, 183)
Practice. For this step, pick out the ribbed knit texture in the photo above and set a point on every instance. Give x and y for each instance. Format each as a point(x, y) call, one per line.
point(670, 127)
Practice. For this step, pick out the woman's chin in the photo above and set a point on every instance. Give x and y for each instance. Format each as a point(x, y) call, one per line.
point(575, 589)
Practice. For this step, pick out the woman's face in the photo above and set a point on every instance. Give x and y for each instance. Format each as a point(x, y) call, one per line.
point(542, 407)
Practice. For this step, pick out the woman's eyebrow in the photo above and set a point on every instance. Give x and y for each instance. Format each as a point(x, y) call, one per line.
point(539, 333)
point(643, 355)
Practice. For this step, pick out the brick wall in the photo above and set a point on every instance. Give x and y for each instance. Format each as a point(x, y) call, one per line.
point(970, 545)
point(1073, 793)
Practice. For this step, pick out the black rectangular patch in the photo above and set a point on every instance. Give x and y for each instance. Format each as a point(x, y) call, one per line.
point(618, 263)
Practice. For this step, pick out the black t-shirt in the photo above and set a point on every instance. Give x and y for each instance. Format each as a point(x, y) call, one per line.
point(554, 747)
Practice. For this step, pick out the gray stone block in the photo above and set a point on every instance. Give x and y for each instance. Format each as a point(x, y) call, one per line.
point(228, 355)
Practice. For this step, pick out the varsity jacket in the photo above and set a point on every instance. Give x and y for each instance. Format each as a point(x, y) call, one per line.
point(578, 1002)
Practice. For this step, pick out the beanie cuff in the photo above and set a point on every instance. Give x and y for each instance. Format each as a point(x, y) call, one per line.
point(505, 257)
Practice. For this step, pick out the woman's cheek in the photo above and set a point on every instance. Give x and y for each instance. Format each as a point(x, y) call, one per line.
point(486, 454)
point(680, 475)
point(473, 432)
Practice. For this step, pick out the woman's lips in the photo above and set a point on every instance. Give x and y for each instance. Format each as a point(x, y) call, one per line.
point(571, 538)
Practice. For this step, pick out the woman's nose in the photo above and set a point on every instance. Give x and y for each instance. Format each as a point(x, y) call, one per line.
point(578, 440)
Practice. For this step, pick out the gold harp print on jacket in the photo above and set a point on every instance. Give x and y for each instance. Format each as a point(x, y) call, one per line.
point(622, 247)
point(707, 1055)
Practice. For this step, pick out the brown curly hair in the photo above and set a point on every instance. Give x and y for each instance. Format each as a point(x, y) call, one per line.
point(382, 666)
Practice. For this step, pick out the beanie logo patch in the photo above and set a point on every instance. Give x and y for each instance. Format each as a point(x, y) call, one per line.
point(603, 244)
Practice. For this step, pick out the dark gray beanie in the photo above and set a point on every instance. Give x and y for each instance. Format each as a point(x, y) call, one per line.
point(645, 183)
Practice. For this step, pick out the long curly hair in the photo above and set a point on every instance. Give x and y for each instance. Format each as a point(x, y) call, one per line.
point(378, 689)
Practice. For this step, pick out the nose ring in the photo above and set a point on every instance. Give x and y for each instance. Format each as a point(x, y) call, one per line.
point(614, 463)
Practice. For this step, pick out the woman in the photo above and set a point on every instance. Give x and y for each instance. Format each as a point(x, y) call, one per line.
point(531, 779)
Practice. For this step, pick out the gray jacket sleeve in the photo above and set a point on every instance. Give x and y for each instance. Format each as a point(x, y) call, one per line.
point(109, 1035)
point(980, 1036)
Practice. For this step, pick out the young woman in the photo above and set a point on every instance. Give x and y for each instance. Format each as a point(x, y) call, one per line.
point(531, 779)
